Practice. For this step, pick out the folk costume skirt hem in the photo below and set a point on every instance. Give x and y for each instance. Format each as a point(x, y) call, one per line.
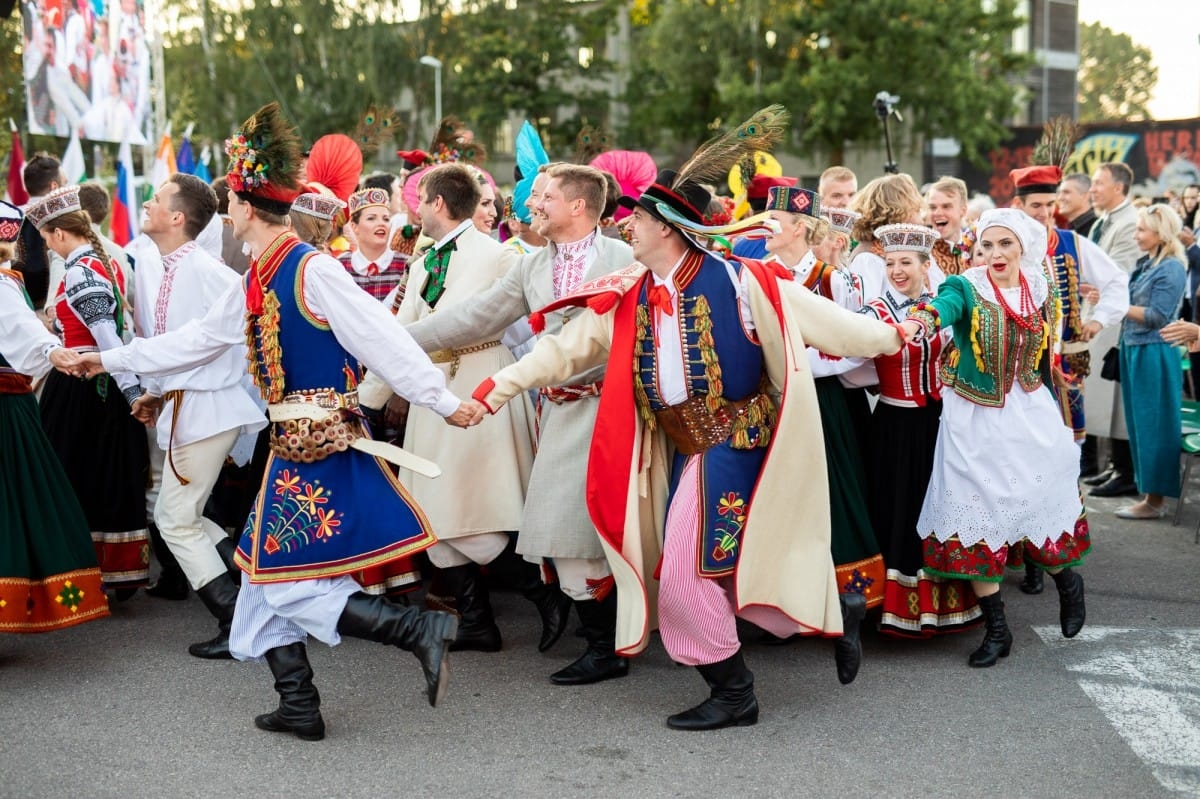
point(855, 551)
point(103, 451)
point(48, 573)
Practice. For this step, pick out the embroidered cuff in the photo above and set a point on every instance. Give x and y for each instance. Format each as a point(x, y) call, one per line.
point(132, 393)
point(926, 317)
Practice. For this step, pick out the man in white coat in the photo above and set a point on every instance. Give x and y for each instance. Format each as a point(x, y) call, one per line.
point(556, 527)
point(206, 408)
point(462, 263)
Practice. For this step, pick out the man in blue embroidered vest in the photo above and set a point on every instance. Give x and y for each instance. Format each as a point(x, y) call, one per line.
point(328, 506)
point(1080, 270)
point(704, 444)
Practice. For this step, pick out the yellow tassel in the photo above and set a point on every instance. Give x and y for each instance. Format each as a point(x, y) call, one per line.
point(975, 347)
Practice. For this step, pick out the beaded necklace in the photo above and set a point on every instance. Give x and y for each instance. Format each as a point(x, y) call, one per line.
point(1028, 318)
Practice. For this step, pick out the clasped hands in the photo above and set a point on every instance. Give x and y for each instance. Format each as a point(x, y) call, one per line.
point(469, 414)
point(77, 364)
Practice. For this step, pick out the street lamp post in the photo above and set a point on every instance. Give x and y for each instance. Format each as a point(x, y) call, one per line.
point(430, 61)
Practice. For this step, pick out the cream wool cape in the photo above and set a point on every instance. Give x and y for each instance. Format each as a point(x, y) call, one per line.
point(785, 561)
point(500, 449)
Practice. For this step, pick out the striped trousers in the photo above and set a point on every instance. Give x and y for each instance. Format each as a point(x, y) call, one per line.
point(696, 616)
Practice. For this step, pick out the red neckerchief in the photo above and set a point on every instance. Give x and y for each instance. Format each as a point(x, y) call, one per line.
point(264, 267)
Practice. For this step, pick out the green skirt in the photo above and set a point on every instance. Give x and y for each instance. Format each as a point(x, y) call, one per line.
point(860, 567)
point(49, 577)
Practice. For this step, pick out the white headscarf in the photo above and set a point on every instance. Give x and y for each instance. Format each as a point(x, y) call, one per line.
point(1031, 233)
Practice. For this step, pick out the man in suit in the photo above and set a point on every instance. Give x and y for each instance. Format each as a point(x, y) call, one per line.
point(1075, 203)
point(1113, 231)
point(556, 526)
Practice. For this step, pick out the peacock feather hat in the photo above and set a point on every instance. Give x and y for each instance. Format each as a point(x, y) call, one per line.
point(681, 198)
point(264, 161)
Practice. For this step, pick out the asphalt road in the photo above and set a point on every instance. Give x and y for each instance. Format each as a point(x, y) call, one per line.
point(118, 709)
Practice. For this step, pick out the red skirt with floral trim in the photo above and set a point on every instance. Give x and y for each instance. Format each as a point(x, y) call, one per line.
point(980, 562)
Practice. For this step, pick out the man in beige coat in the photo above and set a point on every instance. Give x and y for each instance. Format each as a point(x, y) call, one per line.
point(706, 443)
point(1111, 183)
point(555, 526)
point(471, 518)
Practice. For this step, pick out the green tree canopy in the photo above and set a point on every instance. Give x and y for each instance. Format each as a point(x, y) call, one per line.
point(326, 61)
point(1116, 76)
point(949, 60)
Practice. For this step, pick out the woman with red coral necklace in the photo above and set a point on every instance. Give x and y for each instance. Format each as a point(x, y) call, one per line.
point(1005, 468)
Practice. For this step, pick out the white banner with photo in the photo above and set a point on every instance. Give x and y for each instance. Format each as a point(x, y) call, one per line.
point(87, 69)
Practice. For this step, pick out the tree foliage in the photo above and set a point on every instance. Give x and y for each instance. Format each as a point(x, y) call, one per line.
point(540, 59)
point(326, 61)
point(1116, 76)
point(949, 60)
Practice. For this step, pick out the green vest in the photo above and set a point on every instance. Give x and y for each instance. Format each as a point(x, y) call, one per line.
point(990, 351)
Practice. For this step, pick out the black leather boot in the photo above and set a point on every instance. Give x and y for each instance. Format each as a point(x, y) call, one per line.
point(1071, 610)
point(226, 548)
point(1034, 581)
point(425, 633)
point(997, 641)
point(299, 710)
point(553, 606)
point(847, 650)
point(172, 582)
point(1089, 459)
point(731, 702)
point(600, 660)
point(477, 630)
point(220, 597)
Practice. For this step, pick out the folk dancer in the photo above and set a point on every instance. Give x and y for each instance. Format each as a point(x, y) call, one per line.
point(1086, 279)
point(860, 567)
point(201, 412)
point(328, 505)
point(1005, 467)
point(707, 402)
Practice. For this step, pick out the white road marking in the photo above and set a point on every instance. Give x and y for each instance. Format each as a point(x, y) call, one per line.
point(1147, 682)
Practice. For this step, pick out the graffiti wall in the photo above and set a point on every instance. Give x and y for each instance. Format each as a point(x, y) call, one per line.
point(1162, 155)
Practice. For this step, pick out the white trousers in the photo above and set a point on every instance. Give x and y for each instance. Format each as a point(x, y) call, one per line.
point(179, 510)
point(269, 615)
point(575, 574)
point(157, 456)
point(481, 548)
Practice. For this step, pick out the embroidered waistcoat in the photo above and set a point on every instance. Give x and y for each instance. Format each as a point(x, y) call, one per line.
point(321, 518)
point(723, 364)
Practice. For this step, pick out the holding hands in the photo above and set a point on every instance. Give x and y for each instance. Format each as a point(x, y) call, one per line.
point(77, 364)
point(469, 414)
point(908, 330)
